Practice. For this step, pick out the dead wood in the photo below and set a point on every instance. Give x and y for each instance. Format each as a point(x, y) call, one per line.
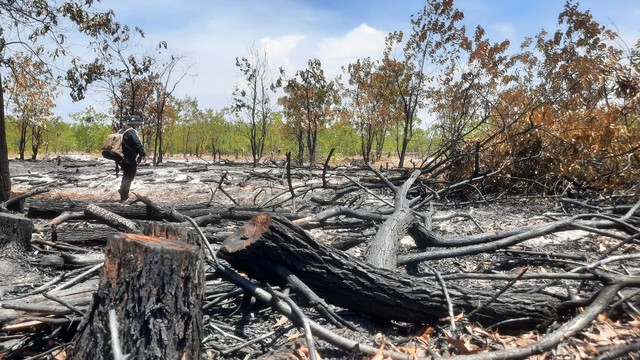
point(15, 232)
point(317, 329)
point(17, 202)
point(86, 236)
point(481, 245)
point(266, 242)
point(157, 306)
point(67, 260)
point(551, 340)
point(112, 219)
point(383, 249)
point(52, 208)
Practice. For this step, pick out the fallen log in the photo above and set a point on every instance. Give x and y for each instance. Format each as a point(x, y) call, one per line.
point(155, 288)
point(52, 208)
point(266, 242)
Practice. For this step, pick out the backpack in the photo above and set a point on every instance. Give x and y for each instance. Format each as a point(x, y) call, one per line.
point(112, 148)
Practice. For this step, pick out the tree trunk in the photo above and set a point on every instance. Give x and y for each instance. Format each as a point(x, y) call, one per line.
point(155, 286)
point(15, 232)
point(5, 177)
point(267, 241)
point(382, 252)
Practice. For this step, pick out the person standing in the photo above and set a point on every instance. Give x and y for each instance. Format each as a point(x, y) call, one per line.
point(133, 153)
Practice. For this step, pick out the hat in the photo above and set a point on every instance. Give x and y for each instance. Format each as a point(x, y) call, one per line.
point(135, 120)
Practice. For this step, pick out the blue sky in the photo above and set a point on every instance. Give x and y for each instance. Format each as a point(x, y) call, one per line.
point(213, 33)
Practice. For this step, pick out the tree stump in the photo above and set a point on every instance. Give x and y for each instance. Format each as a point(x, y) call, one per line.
point(266, 242)
point(156, 286)
point(15, 232)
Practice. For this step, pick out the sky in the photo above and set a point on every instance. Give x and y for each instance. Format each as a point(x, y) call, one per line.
point(210, 34)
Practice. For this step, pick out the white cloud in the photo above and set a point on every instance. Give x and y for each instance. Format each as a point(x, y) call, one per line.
point(280, 50)
point(363, 41)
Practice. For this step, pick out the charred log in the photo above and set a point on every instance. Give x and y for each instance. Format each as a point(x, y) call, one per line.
point(267, 242)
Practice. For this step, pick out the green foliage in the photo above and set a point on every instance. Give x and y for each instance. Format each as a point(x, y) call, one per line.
point(89, 130)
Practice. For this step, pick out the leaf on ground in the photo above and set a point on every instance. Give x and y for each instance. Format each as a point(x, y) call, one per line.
point(59, 355)
point(304, 354)
point(462, 346)
point(283, 320)
point(380, 354)
point(426, 335)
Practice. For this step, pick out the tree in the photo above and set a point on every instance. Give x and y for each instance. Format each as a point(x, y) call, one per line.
point(30, 25)
point(127, 72)
point(308, 104)
point(251, 98)
point(188, 114)
point(90, 129)
point(464, 101)
point(166, 79)
point(31, 91)
point(371, 108)
point(434, 42)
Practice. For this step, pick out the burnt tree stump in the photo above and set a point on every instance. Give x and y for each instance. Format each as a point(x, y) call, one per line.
point(266, 242)
point(15, 232)
point(156, 286)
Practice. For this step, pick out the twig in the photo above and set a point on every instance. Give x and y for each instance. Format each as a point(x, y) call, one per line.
point(222, 190)
point(79, 278)
point(495, 296)
point(283, 308)
point(552, 339)
point(620, 351)
point(305, 325)
point(383, 178)
point(631, 211)
point(5, 205)
point(204, 240)
point(68, 305)
point(325, 167)
point(245, 344)
point(605, 261)
point(314, 300)
point(47, 353)
point(224, 334)
point(446, 295)
point(293, 194)
point(367, 190)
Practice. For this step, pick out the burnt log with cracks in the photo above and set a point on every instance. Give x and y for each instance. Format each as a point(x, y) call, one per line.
point(267, 242)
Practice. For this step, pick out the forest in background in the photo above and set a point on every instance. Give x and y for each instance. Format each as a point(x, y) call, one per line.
point(558, 110)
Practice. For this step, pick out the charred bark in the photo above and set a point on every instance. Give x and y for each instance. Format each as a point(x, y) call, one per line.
point(15, 232)
point(51, 208)
point(383, 250)
point(267, 242)
point(155, 285)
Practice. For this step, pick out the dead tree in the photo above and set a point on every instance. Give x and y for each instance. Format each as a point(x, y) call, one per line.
point(153, 288)
point(266, 244)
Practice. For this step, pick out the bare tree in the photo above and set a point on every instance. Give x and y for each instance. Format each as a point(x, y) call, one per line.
point(252, 100)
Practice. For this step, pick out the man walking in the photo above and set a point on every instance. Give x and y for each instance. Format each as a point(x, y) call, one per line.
point(133, 154)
